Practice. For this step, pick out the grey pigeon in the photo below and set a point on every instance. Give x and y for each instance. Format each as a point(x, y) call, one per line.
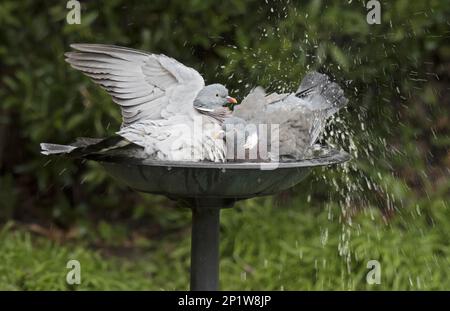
point(168, 112)
point(301, 116)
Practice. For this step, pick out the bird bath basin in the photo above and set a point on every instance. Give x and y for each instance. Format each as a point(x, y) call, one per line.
point(207, 187)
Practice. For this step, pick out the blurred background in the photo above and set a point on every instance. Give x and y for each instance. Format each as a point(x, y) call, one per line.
point(390, 203)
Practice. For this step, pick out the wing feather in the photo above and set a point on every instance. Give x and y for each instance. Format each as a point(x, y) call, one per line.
point(146, 86)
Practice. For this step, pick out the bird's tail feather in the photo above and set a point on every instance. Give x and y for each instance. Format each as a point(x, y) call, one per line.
point(86, 146)
point(317, 89)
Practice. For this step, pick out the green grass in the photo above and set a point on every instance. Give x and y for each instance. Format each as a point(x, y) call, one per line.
point(264, 247)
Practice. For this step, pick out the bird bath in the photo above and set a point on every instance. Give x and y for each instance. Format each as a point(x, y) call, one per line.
point(206, 188)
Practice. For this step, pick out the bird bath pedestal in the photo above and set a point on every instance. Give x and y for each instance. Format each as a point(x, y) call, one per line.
point(206, 188)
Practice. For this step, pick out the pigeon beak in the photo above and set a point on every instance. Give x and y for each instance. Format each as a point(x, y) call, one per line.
point(231, 100)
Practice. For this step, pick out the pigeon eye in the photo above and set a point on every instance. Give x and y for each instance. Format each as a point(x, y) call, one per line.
point(217, 95)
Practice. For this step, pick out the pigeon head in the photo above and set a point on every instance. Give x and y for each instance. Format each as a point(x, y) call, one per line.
point(213, 97)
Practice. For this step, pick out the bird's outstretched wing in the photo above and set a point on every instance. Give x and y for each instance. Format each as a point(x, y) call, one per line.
point(146, 86)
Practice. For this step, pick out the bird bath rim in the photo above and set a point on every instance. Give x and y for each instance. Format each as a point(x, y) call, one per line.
point(329, 157)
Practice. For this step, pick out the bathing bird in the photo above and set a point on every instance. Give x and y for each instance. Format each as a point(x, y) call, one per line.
point(168, 113)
